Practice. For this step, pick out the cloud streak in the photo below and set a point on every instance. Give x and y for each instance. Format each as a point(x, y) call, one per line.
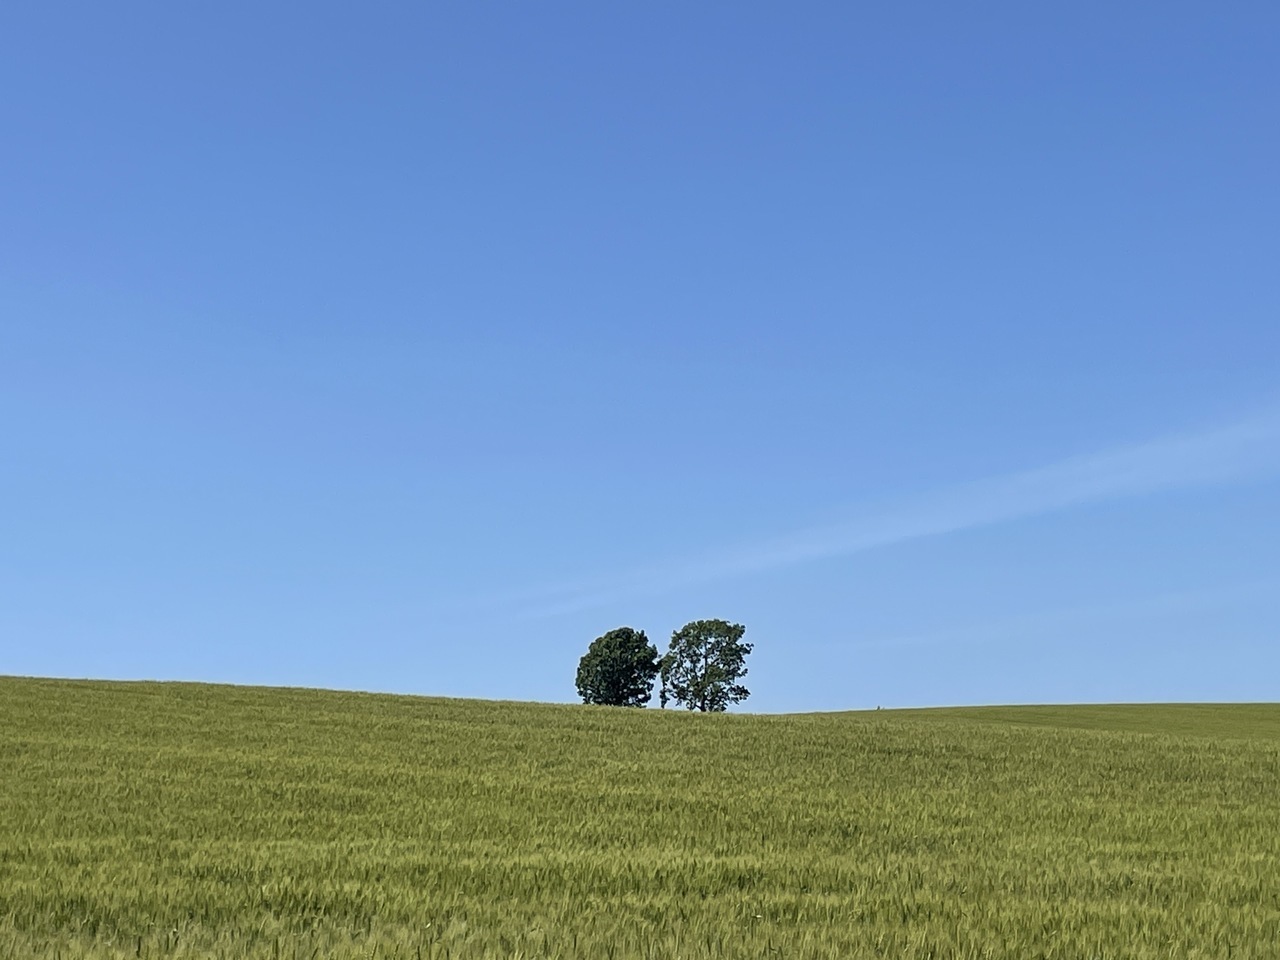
point(1238, 452)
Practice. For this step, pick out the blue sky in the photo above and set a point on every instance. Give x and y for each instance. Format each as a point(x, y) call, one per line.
point(409, 347)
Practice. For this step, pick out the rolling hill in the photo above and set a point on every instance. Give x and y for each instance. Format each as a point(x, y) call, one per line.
point(186, 820)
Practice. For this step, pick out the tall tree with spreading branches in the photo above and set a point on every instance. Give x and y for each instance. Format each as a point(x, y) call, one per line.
point(703, 665)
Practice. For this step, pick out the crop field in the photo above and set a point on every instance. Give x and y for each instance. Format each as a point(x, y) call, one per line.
point(182, 820)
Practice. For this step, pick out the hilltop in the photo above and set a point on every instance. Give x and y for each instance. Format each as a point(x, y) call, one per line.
point(188, 820)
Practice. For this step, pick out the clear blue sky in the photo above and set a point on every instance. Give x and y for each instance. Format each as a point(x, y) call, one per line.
point(411, 346)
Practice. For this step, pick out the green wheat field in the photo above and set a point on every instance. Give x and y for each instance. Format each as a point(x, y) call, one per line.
point(184, 820)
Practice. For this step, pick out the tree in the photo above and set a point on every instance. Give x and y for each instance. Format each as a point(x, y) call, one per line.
point(618, 669)
point(705, 659)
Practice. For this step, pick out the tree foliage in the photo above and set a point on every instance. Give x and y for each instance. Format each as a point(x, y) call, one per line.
point(618, 669)
point(703, 665)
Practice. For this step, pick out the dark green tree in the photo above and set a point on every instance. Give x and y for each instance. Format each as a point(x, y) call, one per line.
point(618, 669)
point(703, 665)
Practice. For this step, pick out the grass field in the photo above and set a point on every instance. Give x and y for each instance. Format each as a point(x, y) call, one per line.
point(175, 820)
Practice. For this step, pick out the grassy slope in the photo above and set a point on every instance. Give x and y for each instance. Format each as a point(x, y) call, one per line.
point(1235, 721)
point(188, 820)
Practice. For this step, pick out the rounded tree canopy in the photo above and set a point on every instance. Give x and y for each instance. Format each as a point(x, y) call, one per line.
point(618, 669)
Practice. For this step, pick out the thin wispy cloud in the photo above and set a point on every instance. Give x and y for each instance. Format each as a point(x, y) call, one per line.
point(1241, 451)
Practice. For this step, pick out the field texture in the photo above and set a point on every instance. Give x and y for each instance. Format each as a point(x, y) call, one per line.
point(196, 821)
